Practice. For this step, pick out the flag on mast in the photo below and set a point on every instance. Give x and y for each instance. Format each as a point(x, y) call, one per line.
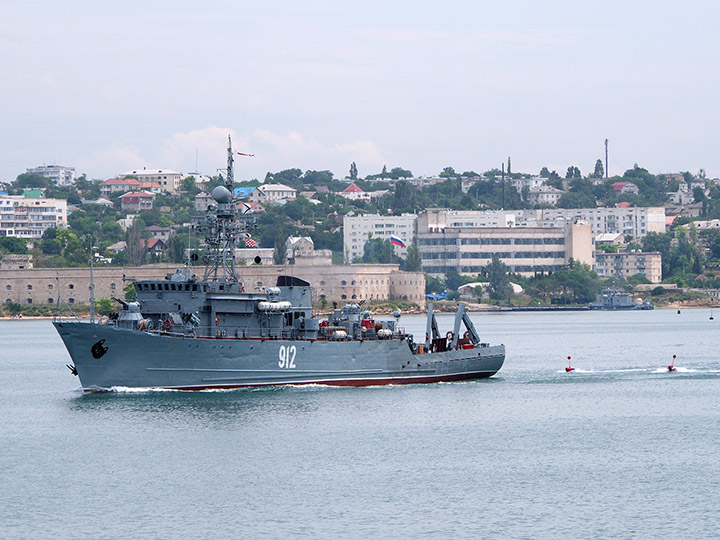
point(249, 242)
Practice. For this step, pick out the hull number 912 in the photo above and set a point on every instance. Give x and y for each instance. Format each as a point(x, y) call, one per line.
point(286, 356)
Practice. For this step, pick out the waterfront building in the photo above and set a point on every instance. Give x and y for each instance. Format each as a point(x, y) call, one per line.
point(62, 176)
point(357, 230)
point(445, 246)
point(340, 283)
point(29, 218)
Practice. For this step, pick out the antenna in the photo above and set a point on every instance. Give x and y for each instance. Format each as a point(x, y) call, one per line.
point(92, 283)
point(606, 159)
point(503, 182)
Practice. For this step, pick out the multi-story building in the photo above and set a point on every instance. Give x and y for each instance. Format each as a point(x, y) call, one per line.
point(117, 185)
point(136, 201)
point(525, 250)
point(631, 263)
point(62, 176)
point(633, 221)
point(168, 180)
point(270, 193)
point(357, 230)
point(546, 195)
point(24, 217)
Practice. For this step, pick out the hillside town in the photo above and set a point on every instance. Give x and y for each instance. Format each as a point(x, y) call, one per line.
point(392, 236)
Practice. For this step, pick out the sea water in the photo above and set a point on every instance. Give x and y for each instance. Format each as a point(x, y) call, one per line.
point(619, 448)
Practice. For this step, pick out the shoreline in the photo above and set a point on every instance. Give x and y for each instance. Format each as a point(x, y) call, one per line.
point(472, 308)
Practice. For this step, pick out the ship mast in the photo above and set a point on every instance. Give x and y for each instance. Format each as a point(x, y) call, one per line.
point(222, 227)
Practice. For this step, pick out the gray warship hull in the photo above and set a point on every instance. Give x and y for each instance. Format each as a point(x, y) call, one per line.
point(135, 359)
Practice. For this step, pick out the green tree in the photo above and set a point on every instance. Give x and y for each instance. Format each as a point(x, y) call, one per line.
point(499, 287)
point(130, 293)
point(379, 251)
point(353, 171)
point(11, 244)
point(599, 171)
point(573, 172)
point(413, 261)
point(280, 253)
point(104, 306)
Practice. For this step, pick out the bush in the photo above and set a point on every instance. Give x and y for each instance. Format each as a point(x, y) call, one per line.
point(658, 291)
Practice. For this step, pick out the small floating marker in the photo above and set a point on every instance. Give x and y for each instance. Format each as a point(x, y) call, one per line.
point(678, 311)
point(569, 367)
point(672, 367)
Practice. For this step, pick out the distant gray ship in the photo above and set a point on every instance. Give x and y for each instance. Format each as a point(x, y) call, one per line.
point(616, 299)
point(188, 333)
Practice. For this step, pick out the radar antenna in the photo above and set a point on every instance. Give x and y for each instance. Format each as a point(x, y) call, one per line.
point(222, 226)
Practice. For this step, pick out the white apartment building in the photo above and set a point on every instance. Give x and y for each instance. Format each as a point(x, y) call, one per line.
point(633, 221)
point(631, 263)
point(29, 218)
point(270, 193)
point(169, 180)
point(525, 250)
point(546, 195)
point(531, 183)
point(62, 176)
point(357, 230)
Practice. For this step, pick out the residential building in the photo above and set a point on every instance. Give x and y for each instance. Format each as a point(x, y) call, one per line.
point(530, 183)
point(357, 230)
point(354, 193)
point(626, 187)
point(683, 195)
point(273, 193)
point(136, 201)
point(118, 185)
point(162, 233)
point(202, 201)
point(525, 250)
point(62, 176)
point(29, 218)
point(545, 195)
point(168, 180)
point(633, 221)
point(631, 263)
point(155, 246)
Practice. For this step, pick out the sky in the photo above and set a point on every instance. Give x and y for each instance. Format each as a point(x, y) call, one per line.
point(111, 87)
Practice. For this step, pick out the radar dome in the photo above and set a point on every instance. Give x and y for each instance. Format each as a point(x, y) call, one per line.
point(221, 195)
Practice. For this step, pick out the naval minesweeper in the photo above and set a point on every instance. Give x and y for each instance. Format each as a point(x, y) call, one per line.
point(190, 333)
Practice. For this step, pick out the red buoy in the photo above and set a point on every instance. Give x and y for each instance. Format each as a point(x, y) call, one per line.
point(672, 367)
point(569, 368)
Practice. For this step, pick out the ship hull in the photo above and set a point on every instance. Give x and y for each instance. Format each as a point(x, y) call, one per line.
point(108, 357)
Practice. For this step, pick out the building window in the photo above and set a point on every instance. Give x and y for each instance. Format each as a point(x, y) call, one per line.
point(50, 301)
point(29, 287)
point(50, 287)
point(344, 297)
point(8, 287)
point(71, 300)
point(29, 300)
point(343, 282)
point(71, 286)
point(113, 286)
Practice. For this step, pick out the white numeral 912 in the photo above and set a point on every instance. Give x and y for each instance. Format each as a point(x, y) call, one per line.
point(286, 356)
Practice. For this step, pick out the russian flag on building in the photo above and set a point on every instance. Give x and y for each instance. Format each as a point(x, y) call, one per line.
point(394, 240)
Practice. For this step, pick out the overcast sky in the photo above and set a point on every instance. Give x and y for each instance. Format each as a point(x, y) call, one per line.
point(109, 87)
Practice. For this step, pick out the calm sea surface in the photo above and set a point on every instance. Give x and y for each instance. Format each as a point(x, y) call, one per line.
point(619, 449)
